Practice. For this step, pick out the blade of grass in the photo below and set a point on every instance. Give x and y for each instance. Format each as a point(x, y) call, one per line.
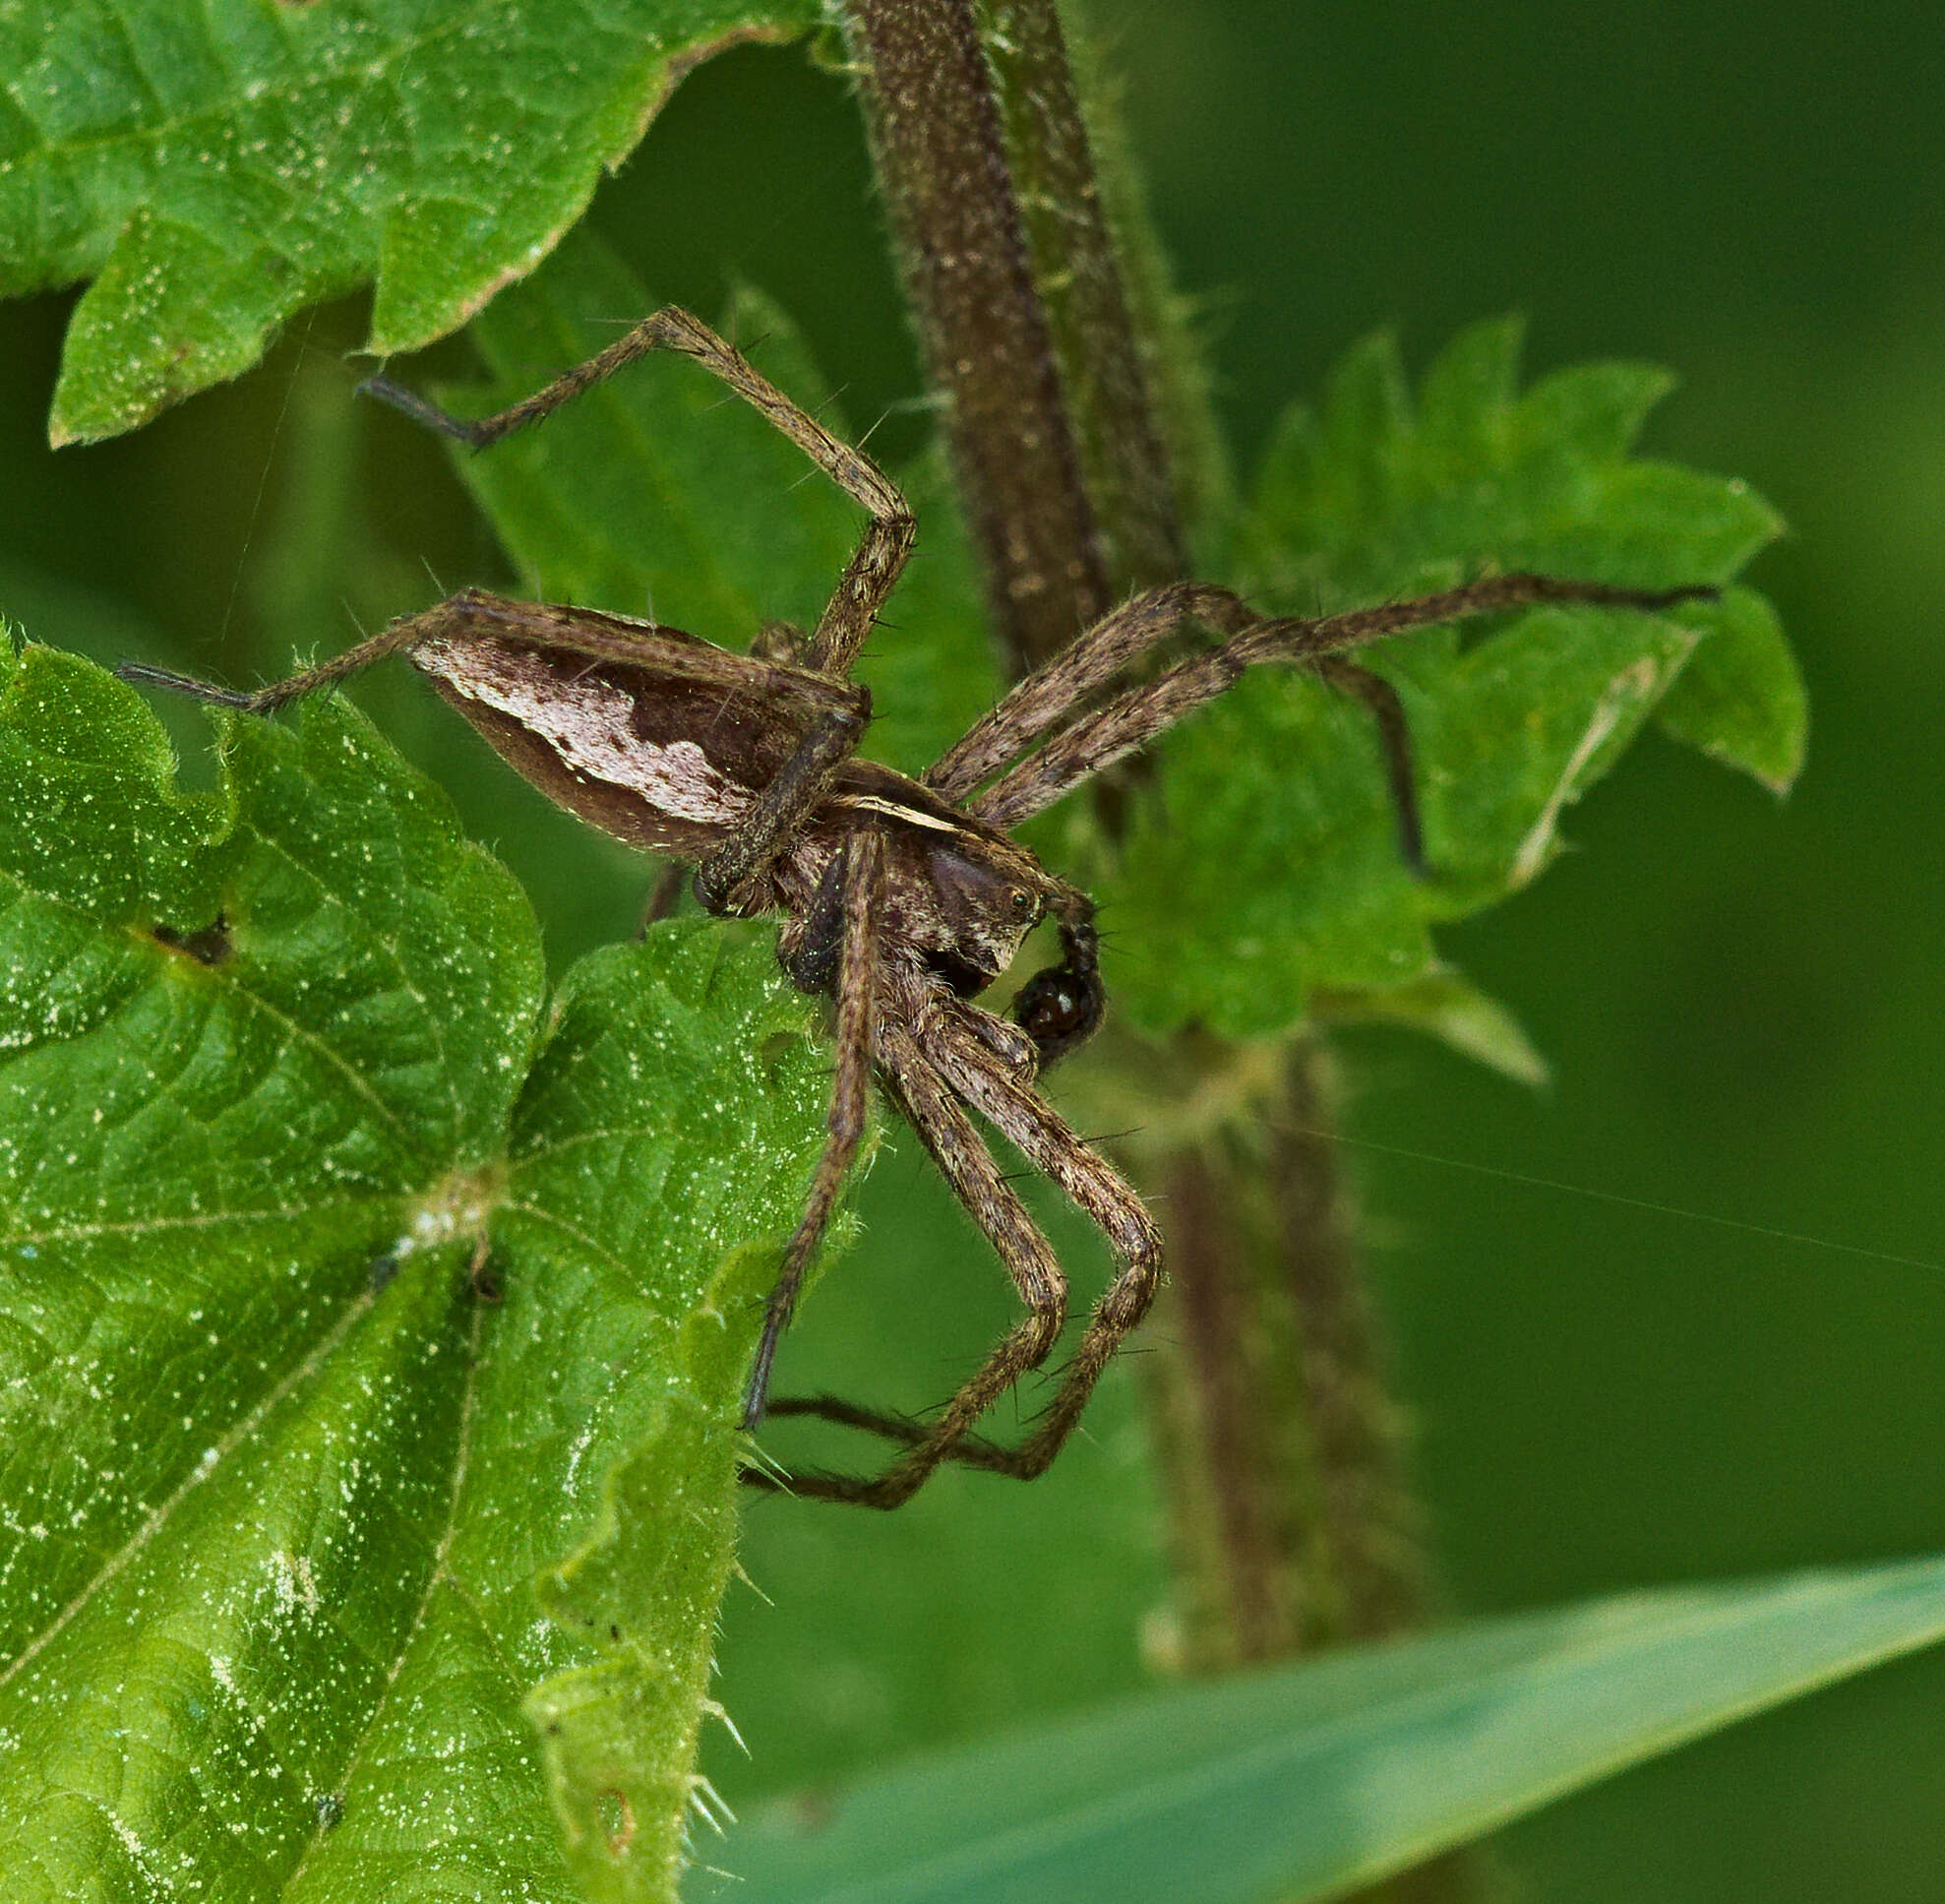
point(1305, 1783)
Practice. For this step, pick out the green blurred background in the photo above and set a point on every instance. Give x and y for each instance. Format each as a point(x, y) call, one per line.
point(1743, 1002)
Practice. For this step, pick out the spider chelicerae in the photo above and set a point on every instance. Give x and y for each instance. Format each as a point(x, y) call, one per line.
point(902, 900)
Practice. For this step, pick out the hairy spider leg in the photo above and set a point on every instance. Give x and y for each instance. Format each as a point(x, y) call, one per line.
point(969, 1169)
point(862, 900)
point(737, 868)
point(874, 568)
point(969, 1450)
point(472, 615)
point(442, 621)
point(1137, 716)
point(1047, 696)
point(1098, 1191)
point(968, 1067)
point(1394, 745)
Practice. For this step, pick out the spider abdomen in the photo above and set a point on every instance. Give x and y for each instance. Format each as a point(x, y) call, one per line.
point(665, 747)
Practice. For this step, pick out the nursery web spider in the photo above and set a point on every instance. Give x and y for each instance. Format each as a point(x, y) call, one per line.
point(901, 900)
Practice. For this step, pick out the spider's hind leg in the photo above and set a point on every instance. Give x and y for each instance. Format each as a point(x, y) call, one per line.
point(872, 571)
point(446, 620)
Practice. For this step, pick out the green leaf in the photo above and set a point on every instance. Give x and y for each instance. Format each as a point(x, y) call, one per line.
point(1446, 1006)
point(656, 492)
point(369, 1340)
point(1740, 698)
point(215, 168)
point(1267, 863)
point(1311, 1782)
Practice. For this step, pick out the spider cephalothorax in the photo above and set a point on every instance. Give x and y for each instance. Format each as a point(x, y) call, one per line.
point(901, 900)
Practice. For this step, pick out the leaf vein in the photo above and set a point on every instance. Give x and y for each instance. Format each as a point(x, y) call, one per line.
point(435, 1578)
point(195, 1221)
point(240, 1433)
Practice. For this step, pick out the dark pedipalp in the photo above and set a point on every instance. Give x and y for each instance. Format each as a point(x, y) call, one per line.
point(1060, 1010)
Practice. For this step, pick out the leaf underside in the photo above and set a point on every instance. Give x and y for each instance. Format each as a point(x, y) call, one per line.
point(215, 168)
point(369, 1338)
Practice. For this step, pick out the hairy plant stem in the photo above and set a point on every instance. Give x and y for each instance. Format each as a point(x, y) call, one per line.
point(942, 160)
point(1105, 375)
point(1304, 1537)
point(1280, 1449)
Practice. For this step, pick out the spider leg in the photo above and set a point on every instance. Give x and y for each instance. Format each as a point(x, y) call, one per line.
point(862, 900)
point(1394, 740)
point(1092, 1184)
point(939, 1013)
point(871, 571)
point(1131, 719)
point(471, 616)
point(966, 1164)
point(664, 897)
point(969, 1450)
point(727, 875)
point(1093, 657)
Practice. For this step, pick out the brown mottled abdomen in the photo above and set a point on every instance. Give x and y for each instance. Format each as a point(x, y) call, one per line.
point(653, 736)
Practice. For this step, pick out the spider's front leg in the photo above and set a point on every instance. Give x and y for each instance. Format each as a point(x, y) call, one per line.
point(1095, 740)
point(957, 1059)
point(1053, 694)
point(1054, 1147)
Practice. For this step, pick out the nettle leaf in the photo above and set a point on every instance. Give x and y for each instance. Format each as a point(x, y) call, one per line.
point(338, 1553)
point(1740, 698)
point(657, 493)
point(1248, 887)
point(1442, 1006)
point(215, 168)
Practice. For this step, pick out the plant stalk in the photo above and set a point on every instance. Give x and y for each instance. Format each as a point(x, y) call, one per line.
point(1293, 1530)
point(1105, 374)
point(1280, 1449)
point(942, 160)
